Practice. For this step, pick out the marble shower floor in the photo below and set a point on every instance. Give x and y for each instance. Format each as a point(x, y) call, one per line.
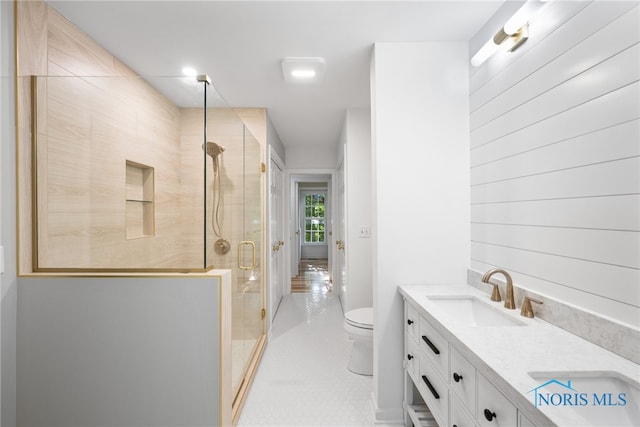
point(303, 379)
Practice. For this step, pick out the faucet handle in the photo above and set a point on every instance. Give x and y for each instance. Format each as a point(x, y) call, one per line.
point(527, 309)
point(495, 294)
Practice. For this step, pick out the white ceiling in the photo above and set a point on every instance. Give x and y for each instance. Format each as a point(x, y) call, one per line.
point(240, 45)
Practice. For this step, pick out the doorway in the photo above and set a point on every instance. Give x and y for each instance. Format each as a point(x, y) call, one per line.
point(311, 229)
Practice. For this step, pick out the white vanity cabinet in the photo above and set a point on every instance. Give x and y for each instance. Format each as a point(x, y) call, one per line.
point(412, 358)
point(493, 409)
point(458, 414)
point(435, 347)
point(412, 322)
point(434, 390)
point(422, 381)
point(462, 379)
point(455, 393)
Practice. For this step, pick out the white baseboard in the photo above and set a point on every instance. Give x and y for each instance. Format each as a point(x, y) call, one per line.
point(391, 417)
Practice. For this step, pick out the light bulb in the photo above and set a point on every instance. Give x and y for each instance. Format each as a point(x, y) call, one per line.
point(303, 73)
point(189, 72)
point(484, 53)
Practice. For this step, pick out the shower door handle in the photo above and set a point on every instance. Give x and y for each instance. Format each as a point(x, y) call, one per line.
point(253, 251)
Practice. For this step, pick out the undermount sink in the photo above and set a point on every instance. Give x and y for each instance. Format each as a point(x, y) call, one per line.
point(590, 397)
point(471, 311)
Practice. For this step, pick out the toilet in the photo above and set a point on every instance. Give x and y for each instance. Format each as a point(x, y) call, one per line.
point(358, 324)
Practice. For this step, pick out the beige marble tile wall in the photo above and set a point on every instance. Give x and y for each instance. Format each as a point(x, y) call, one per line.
point(88, 127)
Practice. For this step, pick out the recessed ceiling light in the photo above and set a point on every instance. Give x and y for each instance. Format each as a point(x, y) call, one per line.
point(301, 73)
point(303, 69)
point(189, 72)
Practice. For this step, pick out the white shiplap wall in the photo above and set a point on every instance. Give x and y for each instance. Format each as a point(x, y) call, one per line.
point(555, 158)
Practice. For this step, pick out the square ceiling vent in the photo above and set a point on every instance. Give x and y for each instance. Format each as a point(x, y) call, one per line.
point(303, 69)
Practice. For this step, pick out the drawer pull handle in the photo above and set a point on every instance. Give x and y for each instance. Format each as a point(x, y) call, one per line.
point(430, 344)
point(489, 415)
point(430, 387)
point(409, 356)
point(457, 377)
point(409, 322)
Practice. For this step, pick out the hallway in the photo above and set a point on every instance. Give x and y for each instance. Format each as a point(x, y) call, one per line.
point(302, 379)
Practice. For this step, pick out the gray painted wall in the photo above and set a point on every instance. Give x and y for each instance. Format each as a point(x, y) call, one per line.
point(8, 281)
point(118, 351)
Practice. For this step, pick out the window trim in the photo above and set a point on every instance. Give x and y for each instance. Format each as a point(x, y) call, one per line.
point(303, 216)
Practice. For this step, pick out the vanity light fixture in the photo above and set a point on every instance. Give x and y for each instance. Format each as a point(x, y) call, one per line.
point(512, 35)
point(303, 69)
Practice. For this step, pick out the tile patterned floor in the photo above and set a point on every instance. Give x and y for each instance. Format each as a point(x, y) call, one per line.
point(303, 379)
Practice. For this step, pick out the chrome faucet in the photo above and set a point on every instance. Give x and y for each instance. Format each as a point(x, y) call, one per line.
point(509, 301)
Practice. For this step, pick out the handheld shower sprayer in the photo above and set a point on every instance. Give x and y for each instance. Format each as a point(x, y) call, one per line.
point(215, 151)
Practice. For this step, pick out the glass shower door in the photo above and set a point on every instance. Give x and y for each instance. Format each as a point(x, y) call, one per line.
point(249, 302)
point(234, 236)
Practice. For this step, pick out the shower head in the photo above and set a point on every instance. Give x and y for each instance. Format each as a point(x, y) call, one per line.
point(214, 149)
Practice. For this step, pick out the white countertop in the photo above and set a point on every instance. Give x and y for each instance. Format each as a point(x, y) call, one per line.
point(506, 354)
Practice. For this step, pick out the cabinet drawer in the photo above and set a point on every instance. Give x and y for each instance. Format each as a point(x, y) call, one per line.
point(412, 357)
point(524, 421)
point(493, 408)
point(458, 416)
point(462, 379)
point(411, 322)
point(434, 391)
point(435, 347)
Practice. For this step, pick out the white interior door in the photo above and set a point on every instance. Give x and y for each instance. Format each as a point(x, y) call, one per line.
point(276, 276)
point(340, 269)
point(295, 232)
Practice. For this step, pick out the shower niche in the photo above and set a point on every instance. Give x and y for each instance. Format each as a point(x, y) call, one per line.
point(139, 199)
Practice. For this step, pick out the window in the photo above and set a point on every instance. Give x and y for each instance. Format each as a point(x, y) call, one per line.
point(314, 219)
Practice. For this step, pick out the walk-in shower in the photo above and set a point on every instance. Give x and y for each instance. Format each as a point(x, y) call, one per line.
point(156, 181)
